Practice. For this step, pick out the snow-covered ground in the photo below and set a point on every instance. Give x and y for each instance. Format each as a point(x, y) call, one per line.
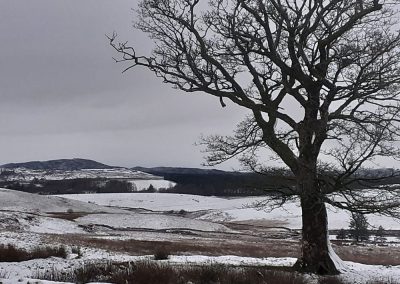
point(354, 273)
point(12, 200)
point(28, 220)
point(148, 221)
point(20, 210)
point(218, 209)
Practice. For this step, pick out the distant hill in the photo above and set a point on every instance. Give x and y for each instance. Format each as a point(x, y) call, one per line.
point(61, 164)
point(182, 171)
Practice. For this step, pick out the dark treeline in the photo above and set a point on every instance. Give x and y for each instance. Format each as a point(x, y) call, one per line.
point(71, 186)
point(226, 183)
point(197, 182)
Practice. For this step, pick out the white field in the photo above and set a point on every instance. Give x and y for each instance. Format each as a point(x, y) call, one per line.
point(218, 209)
point(26, 220)
point(143, 184)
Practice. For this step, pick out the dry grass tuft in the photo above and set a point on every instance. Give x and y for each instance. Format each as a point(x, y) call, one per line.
point(150, 272)
point(10, 253)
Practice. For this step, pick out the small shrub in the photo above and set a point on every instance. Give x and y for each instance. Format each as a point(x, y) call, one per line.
point(380, 235)
point(341, 235)
point(161, 253)
point(48, 251)
point(78, 251)
point(70, 211)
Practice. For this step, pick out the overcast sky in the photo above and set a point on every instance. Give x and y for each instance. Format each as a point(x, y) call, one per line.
point(62, 95)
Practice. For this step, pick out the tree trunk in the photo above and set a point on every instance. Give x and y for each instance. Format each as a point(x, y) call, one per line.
point(317, 255)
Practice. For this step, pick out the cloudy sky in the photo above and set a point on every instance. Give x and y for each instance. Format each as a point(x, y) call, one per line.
point(62, 95)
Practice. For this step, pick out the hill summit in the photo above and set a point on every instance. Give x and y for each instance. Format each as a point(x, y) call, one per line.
point(60, 164)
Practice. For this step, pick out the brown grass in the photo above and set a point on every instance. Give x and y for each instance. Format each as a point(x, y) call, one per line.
point(155, 273)
point(70, 216)
point(196, 246)
point(213, 247)
point(10, 253)
point(370, 255)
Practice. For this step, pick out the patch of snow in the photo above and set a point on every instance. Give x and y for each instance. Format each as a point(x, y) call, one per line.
point(12, 200)
point(149, 221)
point(46, 225)
point(339, 264)
point(232, 260)
point(143, 184)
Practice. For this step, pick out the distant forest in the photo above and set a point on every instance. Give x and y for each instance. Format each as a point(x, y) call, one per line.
point(226, 183)
point(200, 183)
point(71, 186)
point(197, 182)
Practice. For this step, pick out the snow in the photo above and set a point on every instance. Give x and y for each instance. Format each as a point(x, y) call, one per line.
point(27, 175)
point(358, 273)
point(12, 200)
point(219, 209)
point(31, 268)
point(163, 201)
point(26, 221)
point(355, 273)
point(231, 260)
point(149, 221)
point(143, 184)
point(339, 264)
point(47, 225)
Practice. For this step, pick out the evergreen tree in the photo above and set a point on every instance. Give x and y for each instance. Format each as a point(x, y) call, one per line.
point(359, 227)
point(341, 235)
point(380, 235)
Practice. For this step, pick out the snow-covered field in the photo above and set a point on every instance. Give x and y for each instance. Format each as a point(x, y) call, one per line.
point(218, 209)
point(143, 184)
point(354, 273)
point(28, 220)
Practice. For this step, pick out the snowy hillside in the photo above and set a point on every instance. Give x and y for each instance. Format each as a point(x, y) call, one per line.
point(34, 213)
point(18, 201)
point(59, 164)
point(225, 209)
point(27, 175)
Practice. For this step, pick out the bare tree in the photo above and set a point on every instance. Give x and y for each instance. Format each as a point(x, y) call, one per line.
point(320, 78)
